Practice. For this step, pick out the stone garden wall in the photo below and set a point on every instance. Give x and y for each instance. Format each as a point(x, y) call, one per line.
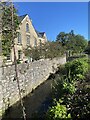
point(30, 76)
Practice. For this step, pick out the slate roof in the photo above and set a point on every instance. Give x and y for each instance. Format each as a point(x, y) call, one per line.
point(40, 34)
point(20, 18)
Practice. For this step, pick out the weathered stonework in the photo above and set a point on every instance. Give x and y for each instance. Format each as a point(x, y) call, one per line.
point(22, 41)
point(30, 76)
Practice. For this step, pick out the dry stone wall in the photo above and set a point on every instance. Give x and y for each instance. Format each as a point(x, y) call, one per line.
point(30, 76)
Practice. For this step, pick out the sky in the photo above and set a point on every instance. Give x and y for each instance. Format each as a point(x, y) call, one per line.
point(56, 17)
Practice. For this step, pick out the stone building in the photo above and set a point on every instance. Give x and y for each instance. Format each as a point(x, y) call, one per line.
point(27, 36)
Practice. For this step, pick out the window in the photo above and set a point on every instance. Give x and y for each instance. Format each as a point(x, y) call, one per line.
point(19, 38)
point(27, 27)
point(8, 57)
point(40, 43)
point(28, 40)
point(35, 43)
point(19, 54)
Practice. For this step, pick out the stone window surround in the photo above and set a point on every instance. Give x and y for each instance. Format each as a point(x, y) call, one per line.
point(27, 39)
point(19, 38)
point(27, 27)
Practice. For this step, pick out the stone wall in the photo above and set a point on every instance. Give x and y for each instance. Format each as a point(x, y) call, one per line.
point(30, 76)
point(1, 97)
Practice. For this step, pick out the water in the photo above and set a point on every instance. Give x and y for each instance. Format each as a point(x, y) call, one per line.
point(36, 103)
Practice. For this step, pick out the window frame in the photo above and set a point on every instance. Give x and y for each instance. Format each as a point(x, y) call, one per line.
point(27, 27)
point(28, 40)
point(19, 38)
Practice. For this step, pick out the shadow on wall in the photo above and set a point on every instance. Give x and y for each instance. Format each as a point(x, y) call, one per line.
point(30, 76)
point(36, 103)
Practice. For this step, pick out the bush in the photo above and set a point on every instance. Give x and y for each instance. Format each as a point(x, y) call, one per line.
point(58, 112)
point(77, 68)
point(69, 87)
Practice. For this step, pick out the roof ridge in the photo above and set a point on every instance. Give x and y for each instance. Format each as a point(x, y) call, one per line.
point(21, 17)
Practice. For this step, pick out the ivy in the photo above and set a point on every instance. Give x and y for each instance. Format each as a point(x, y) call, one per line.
point(7, 27)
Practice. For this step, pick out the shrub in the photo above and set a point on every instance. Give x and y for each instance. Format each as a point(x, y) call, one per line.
point(69, 87)
point(77, 68)
point(58, 112)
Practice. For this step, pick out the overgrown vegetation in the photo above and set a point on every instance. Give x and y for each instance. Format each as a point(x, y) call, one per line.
point(58, 111)
point(69, 43)
point(76, 69)
point(73, 90)
point(75, 43)
point(87, 50)
point(7, 35)
point(47, 50)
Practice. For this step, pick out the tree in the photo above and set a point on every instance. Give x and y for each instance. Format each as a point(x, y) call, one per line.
point(7, 27)
point(61, 37)
point(81, 43)
point(64, 37)
point(47, 50)
point(9, 33)
point(87, 50)
point(72, 33)
point(74, 43)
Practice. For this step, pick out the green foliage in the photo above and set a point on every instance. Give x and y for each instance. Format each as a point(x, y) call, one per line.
point(47, 50)
point(87, 50)
point(7, 27)
point(69, 87)
point(58, 112)
point(75, 94)
point(74, 43)
point(80, 101)
point(53, 49)
point(33, 53)
point(77, 68)
point(61, 37)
